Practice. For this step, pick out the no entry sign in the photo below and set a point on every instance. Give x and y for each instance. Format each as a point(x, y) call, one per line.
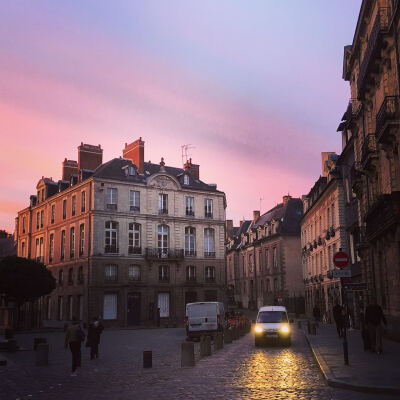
point(340, 259)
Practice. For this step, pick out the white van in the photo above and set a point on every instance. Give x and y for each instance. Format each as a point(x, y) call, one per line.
point(204, 318)
point(272, 324)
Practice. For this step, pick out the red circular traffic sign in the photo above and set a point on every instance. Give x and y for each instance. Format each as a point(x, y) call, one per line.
point(340, 259)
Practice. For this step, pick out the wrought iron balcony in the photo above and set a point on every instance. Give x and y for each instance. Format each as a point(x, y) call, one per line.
point(134, 250)
point(190, 253)
point(209, 254)
point(111, 249)
point(383, 215)
point(208, 214)
point(164, 254)
point(189, 212)
point(368, 150)
point(371, 55)
point(134, 208)
point(388, 114)
point(163, 211)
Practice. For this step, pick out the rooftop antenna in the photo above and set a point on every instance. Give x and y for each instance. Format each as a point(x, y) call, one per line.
point(186, 152)
point(261, 199)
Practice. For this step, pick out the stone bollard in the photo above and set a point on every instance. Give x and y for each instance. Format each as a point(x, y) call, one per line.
point(187, 354)
point(219, 341)
point(228, 336)
point(205, 346)
point(299, 324)
point(313, 329)
point(147, 359)
point(42, 354)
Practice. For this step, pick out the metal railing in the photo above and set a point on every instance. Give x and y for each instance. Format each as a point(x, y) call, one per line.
point(388, 111)
point(368, 148)
point(163, 253)
point(111, 249)
point(134, 250)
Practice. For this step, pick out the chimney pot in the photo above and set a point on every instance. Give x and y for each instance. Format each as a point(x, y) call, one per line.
point(192, 169)
point(256, 215)
point(135, 152)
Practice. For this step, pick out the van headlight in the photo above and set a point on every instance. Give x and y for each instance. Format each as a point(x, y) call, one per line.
point(284, 329)
point(258, 329)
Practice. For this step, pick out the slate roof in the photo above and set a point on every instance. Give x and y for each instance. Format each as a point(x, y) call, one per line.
point(114, 169)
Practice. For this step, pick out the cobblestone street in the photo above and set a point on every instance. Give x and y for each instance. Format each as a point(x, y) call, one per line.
point(239, 371)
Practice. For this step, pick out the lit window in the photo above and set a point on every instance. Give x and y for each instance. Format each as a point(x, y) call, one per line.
point(186, 180)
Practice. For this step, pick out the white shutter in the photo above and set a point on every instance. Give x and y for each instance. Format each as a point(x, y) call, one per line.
point(110, 306)
point(163, 304)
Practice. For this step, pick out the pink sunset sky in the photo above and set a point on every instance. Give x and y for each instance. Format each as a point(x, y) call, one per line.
point(255, 86)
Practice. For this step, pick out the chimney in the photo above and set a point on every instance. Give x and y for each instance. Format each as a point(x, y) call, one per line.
point(135, 152)
point(193, 169)
point(325, 162)
point(241, 223)
point(286, 198)
point(256, 215)
point(69, 167)
point(228, 227)
point(89, 156)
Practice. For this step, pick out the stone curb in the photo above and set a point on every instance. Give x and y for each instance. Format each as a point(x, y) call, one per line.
point(333, 382)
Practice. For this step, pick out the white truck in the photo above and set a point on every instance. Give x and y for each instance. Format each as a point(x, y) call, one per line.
point(204, 318)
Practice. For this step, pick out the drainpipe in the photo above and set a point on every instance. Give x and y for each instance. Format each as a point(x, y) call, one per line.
point(89, 246)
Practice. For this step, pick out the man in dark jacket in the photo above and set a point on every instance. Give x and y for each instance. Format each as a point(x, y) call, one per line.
point(373, 319)
point(93, 338)
point(74, 337)
point(339, 320)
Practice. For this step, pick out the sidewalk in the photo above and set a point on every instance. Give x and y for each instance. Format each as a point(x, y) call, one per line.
point(366, 371)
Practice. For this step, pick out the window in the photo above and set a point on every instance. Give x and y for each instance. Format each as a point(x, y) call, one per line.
point(163, 273)
point(134, 273)
point(327, 218)
point(210, 274)
point(208, 208)
point(186, 180)
point(134, 200)
point(43, 195)
point(38, 196)
point(189, 206)
point(112, 198)
point(110, 273)
point(60, 277)
point(80, 274)
point(80, 307)
point(163, 240)
point(163, 304)
point(276, 287)
point(333, 250)
point(191, 273)
point(268, 289)
point(320, 261)
point(62, 249)
point(83, 201)
point(163, 203)
point(73, 205)
point(333, 215)
point(134, 239)
point(70, 276)
point(190, 241)
point(23, 224)
point(60, 308)
point(42, 219)
point(274, 258)
point(48, 307)
point(23, 249)
point(111, 237)
point(210, 295)
point(329, 257)
point(267, 259)
point(81, 239)
point(72, 243)
point(53, 213)
point(110, 306)
point(37, 250)
point(51, 247)
point(64, 209)
point(37, 220)
point(209, 249)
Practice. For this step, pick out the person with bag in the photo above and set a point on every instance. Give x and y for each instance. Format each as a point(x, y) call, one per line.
point(93, 338)
point(73, 338)
point(374, 318)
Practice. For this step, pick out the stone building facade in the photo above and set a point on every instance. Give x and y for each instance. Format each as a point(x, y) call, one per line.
point(371, 66)
point(264, 258)
point(323, 233)
point(125, 238)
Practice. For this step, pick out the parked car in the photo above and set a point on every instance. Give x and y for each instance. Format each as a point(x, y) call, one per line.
point(272, 324)
point(204, 318)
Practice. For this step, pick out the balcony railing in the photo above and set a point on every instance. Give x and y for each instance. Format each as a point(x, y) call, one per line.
point(190, 278)
point(208, 214)
point(368, 150)
point(190, 253)
point(381, 23)
point(111, 206)
point(134, 208)
point(163, 211)
point(134, 250)
point(388, 113)
point(189, 212)
point(210, 278)
point(209, 254)
point(168, 254)
point(383, 215)
point(111, 249)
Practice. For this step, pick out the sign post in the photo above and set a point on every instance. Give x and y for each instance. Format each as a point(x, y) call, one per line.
point(341, 259)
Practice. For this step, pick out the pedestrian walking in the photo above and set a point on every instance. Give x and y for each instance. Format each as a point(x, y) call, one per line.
point(339, 319)
point(374, 318)
point(317, 314)
point(93, 337)
point(74, 337)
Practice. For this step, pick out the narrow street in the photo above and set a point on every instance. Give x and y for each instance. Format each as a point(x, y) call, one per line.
point(239, 371)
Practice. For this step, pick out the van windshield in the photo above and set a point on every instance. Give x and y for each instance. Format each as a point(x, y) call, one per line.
point(272, 317)
point(201, 310)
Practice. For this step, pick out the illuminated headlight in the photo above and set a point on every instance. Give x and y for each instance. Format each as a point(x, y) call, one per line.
point(258, 329)
point(285, 329)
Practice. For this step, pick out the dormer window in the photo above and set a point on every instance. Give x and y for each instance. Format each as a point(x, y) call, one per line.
point(185, 179)
point(131, 170)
